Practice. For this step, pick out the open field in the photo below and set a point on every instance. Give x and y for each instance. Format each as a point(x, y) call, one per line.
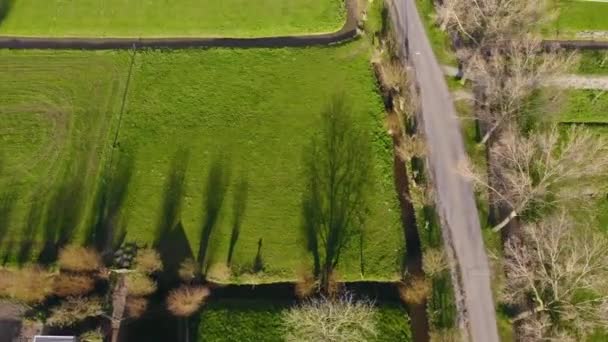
point(209, 138)
point(179, 18)
point(576, 16)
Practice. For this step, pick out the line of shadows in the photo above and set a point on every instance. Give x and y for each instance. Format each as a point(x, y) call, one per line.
point(107, 230)
point(213, 200)
point(238, 207)
point(64, 211)
point(170, 239)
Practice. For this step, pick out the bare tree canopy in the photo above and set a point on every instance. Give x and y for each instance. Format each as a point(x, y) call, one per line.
point(544, 169)
point(563, 271)
point(341, 319)
point(489, 22)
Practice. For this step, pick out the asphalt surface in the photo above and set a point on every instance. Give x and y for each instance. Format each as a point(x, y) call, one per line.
point(454, 195)
point(348, 31)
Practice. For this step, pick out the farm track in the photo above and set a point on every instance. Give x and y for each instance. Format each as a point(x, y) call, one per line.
point(348, 31)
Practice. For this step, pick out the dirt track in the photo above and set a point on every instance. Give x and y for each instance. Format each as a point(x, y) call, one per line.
point(348, 31)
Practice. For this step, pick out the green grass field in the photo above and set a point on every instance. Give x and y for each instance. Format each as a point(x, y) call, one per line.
point(193, 120)
point(162, 18)
point(578, 15)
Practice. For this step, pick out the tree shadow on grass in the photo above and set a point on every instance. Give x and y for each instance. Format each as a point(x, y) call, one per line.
point(238, 207)
point(7, 206)
point(217, 184)
point(30, 231)
point(64, 211)
point(334, 205)
point(170, 239)
point(108, 231)
point(5, 8)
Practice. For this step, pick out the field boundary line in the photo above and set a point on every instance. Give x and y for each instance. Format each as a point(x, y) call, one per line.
point(347, 32)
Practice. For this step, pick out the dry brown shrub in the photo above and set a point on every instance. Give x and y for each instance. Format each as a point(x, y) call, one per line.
point(415, 291)
point(434, 262)
point(74, 310)
point(148, 261)
point(30, 285)
point(136, 306)
point(68, 285)
point(79, 259)
point(188, 270)
point(306, 285)
point(139, 285)
point(219, 272)
point(186, 300)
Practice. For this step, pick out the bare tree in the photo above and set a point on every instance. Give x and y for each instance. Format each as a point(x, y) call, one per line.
point(331, 319)
point(544, 169)
point(507, 76)
point(485, 23)
point(562, 270)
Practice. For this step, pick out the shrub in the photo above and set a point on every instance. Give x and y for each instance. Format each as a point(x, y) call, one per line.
point(148, 261)
point(136, 306)
point(74, 310)
point(186, 300)
point(91, 336)
point(30, 285)
point(326, 319)
point(415, 291)
point(139, 285)
point(434, 262)
point(69, 285)
point(306, 285)
point(219, 272)
point(79, 259)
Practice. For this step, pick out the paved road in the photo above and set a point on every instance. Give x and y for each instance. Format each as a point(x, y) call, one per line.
point(454, 196)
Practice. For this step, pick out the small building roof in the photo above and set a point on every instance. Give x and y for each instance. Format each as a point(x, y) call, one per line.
point(45, 338)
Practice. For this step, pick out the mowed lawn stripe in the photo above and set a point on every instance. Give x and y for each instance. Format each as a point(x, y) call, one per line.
point(176, 18)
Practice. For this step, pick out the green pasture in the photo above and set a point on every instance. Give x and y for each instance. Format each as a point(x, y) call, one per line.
point(578, 15)
point(208, 140)
point(163, 18)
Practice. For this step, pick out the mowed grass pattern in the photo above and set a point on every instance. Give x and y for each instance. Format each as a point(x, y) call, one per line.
point(57, 110)
point(249, 114)
point(175, 18)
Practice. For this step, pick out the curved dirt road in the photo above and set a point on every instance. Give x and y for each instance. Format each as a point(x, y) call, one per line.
point(348, 31)
point(454, 196)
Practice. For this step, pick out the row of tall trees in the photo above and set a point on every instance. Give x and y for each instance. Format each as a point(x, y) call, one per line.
point(536, 174)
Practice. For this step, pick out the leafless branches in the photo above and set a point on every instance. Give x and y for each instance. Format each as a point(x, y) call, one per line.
point(545, 169)
point(563, 271)
point(331, 319)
